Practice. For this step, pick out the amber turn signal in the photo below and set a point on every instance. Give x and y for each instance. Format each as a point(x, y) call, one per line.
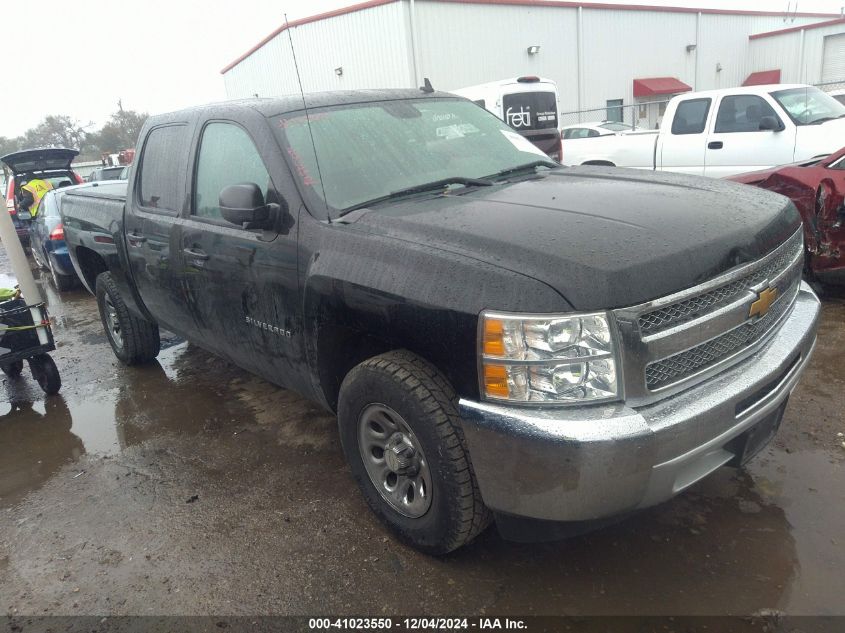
point(494, 338)
point(496, 381)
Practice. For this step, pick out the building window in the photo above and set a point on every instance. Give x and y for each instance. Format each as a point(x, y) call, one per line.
point(614, 110)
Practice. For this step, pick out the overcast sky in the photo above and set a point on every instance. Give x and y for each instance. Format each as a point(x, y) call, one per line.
point(80, 57)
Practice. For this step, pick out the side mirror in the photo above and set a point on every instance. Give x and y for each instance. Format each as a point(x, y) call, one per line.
point(770, 123)
point(243, 204)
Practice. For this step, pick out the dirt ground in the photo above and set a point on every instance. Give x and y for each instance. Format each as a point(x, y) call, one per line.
point(191, 487)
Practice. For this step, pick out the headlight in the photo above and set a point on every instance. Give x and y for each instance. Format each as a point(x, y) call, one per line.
point(562, 359)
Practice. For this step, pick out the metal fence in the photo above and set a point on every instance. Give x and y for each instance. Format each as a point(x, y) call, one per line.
point(645, 115)
point(829, 86)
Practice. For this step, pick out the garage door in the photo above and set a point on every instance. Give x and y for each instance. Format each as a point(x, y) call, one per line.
point(833, 66)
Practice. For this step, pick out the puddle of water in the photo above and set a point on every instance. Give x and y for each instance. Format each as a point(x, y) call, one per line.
point(7, 280)
point(36, 441)
point(38, 436)
point(809, 490)
point(94, 422)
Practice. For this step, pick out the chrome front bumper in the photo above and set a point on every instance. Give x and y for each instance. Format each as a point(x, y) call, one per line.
point(592, 462)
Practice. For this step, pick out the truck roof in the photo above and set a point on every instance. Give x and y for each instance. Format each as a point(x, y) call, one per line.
point(274, 106)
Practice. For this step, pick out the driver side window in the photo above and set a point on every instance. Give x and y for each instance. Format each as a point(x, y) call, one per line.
point(227, 156)
point(742, 113)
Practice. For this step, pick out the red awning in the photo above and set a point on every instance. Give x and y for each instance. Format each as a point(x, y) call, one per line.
point(762, 78)
point(659, 86)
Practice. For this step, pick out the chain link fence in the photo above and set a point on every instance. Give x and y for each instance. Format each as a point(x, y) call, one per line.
point(644, 115)
point(830, 86)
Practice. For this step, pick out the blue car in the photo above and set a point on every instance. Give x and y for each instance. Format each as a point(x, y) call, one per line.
point(47, 240)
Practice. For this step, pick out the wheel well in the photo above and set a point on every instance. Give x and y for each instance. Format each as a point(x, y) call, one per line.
point(339, 350)
point(91, 264)
point(605, 163)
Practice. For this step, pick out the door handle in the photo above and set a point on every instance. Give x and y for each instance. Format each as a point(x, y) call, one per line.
point(135, 239)
point(195, 254)
point(715, 145)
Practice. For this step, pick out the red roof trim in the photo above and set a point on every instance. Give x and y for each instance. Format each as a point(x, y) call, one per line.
point(795, 29)
point(533, 3)
point(659, 86)
point(637, 7)
point(763, 78)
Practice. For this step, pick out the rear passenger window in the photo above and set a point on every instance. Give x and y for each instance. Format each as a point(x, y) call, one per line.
point(227, 157)
point(579, 132)
point(161, 166)
point(742, 113)
point(691, 116)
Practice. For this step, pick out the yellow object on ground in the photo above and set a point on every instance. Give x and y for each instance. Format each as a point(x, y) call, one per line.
point(7, 294)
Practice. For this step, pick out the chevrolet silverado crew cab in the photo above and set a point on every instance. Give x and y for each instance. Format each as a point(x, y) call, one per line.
point(500, 336)
point(721, 133)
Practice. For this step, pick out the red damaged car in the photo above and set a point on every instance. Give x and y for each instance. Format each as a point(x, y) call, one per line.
point(817, 188)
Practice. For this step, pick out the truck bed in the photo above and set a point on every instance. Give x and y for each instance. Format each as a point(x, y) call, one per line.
point(631, 149)
point(92, 216)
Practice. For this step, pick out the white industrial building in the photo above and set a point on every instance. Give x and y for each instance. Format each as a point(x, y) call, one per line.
point(813, 54)
point(601, 56)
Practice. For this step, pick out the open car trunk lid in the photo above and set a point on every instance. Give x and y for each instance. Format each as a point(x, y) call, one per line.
point(43, 159)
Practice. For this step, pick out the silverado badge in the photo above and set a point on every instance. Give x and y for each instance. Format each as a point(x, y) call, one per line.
point(765, 299)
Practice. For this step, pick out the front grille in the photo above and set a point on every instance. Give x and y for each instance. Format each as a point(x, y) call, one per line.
point(675, 342)
point(677, 367)
point(689, 309)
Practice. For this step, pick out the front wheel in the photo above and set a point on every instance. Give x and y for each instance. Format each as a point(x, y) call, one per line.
point(133, 340)
point(401, 435)
point(46, 374)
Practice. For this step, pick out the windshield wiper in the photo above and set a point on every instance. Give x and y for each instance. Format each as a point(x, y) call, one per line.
point(435, 185)
point(525, 167)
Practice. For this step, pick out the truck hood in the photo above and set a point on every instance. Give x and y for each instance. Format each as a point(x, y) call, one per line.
point(42, 159)
point(819, 140)
point(602, 237)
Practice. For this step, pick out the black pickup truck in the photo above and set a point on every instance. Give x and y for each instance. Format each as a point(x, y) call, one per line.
point(500, 337)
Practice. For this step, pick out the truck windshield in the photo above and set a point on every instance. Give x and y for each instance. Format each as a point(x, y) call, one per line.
point(808, 105)
point(368, 151)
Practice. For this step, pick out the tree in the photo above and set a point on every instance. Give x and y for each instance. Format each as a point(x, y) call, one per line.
point(121, 131)
point(56, 131)
point(9, 145)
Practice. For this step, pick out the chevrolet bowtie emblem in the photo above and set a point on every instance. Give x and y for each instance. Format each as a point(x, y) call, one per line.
point(765, 299)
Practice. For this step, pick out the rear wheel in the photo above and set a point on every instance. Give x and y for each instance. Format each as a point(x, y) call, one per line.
point(62, 282)
point(133, 340)
point(401, 435)
point(38, 260)
point(13, 370)
point(45, 372)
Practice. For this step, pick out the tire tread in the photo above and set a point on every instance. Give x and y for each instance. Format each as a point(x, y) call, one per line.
point(141, 339)
point(425, 383)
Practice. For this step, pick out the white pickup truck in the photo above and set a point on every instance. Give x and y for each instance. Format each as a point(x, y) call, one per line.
point(720, 133)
